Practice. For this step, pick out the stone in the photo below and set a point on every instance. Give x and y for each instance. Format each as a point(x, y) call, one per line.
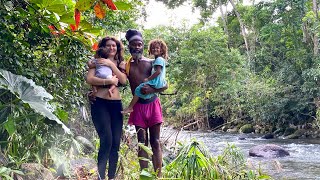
point(247, 128)
point(296, 135)
point(88, 146)
point(34, 171)
point(268, 151)
point(268, 136)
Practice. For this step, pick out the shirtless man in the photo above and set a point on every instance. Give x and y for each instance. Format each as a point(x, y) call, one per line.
point(147, 114)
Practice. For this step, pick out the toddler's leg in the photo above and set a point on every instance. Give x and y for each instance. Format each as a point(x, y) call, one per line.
point(112, 87)
point(94, 90)
point(129, 109)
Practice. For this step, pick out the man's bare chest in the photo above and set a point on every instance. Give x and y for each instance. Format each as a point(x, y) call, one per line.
point(140, 70)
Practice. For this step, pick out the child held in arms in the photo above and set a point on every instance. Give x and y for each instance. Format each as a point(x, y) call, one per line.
point(102, 71)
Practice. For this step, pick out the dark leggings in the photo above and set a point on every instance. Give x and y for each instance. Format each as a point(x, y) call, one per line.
point(108, 121)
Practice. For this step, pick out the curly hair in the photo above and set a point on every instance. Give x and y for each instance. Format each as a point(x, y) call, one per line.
point(163, 47)
point(120, 48)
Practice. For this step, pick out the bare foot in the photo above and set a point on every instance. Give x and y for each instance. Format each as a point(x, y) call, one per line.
point(127, 110)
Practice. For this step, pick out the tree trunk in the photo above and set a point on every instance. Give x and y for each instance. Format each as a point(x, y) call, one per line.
point(315, 36)
point(225, 27)
point(243, 30)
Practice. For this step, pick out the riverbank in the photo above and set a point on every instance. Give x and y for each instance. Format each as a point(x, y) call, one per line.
point(303, 162)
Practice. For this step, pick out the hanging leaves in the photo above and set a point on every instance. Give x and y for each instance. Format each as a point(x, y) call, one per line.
point(54, 30)
point(95, 46)
point(73, 27)
point(99, 10)
point(110, 4)
point(51, 27)
point(77, 16)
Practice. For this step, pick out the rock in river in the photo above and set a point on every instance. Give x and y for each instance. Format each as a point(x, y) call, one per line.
point(268, 151)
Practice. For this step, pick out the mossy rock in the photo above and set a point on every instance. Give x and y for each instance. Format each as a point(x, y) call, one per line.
point(297, 134)
point(289, 131)
point(278, 131)
point(247, 128)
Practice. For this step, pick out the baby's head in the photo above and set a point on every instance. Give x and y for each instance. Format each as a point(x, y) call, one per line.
point(103, 53)
point(158, 44)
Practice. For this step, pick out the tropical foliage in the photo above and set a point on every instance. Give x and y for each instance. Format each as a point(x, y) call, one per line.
point(44, 49)
point(259, 64)
point(267, 75)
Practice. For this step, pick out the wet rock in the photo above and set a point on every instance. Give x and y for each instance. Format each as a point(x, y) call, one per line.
point(289, 131)
point(34, 171)
point(296, 135)
point(268, 136)
point(268, 151)
point(242, 137)
point(247, 128)
point(233, 130)
point(87, 163)
point(224, 128)
point(88, 146)
point(278, 131)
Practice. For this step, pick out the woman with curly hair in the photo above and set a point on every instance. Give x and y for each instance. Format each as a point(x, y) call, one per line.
point(106, 108)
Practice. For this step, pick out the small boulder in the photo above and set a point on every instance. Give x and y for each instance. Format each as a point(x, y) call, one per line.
point(88, 146)
point(268, 136)
point(288, 131)
point(268, 151)
point(242, 137)
point(297, 134)
point(34, 171)
point(247, 128)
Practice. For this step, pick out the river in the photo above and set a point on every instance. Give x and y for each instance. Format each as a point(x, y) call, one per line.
point(303, 162)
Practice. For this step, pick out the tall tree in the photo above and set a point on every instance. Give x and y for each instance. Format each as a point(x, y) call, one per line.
point(315, 36)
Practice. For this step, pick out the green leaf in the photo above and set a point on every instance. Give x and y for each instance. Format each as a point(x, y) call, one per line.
point(85, 24)
point(57, 8)
point(28, 92)
point(7, 177)
point(264, 177)
point(94, 31)
point(145, 175)
point(123, 6)
point(10, 126)
point(3, 169)
point(145, 148)
point(83, 5)
point(63, 115)
point(68, 18)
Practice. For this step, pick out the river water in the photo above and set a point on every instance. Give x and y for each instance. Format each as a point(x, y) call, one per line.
point(303, 162)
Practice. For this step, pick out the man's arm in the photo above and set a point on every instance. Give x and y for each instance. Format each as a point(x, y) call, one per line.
point(147, 89)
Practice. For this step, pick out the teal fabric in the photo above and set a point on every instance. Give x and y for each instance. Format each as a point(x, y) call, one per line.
point(158, 82)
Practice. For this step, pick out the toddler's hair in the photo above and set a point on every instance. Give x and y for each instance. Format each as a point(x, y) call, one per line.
point(103, 53)
point(163, 47)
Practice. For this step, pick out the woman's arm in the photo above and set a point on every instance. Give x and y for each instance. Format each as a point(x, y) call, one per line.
point(93, 80)
point(120, 75)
